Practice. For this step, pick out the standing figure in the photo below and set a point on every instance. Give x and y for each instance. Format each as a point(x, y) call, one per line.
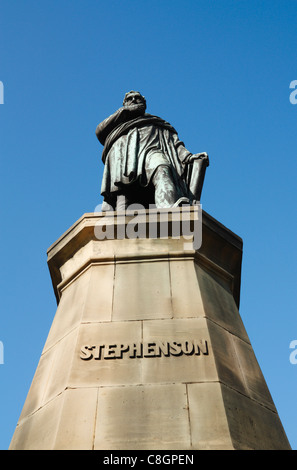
point(144, 160)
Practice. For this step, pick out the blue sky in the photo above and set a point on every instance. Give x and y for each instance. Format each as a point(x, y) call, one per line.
point(219, 71)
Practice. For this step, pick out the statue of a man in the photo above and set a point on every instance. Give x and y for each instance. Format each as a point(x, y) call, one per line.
point(145, 162)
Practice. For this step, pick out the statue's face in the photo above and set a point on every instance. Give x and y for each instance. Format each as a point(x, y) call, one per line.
point(134, 98)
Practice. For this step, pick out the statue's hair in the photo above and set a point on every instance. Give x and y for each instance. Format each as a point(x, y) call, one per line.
point(133, 91)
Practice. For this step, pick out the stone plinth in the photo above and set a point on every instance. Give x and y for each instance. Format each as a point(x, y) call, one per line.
point(147, 349)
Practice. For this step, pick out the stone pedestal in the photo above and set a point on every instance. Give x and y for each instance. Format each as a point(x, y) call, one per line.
point(147, 349)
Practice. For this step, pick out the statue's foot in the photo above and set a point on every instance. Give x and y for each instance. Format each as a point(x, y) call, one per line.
point(182, 201)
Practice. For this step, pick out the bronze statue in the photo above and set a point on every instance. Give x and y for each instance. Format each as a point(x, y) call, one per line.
point(145, 162)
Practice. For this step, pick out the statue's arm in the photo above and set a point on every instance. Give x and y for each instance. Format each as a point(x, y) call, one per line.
point(124, 114)
point(106, 126)
point(185, 156)
point(182, 152)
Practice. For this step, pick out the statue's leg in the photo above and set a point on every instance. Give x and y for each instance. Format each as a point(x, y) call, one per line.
point(106, 207)
point(165, 191)
point(122, 202)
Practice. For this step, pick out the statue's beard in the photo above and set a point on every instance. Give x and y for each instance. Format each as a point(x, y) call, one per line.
point(138, 106)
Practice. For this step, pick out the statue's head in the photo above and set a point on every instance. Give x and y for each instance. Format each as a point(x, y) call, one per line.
point(134, 97)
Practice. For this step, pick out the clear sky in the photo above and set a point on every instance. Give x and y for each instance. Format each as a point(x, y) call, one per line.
point(219, 71)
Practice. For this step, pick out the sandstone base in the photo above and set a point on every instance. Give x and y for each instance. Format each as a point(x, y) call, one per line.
point(147, 349)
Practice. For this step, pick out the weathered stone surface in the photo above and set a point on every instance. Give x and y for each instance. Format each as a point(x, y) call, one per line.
point(208, 417)
point(77, 420)
point(159, 417)
point(38, 431)
point(137, 295)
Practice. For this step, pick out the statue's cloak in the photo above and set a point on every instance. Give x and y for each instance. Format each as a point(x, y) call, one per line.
point(135, 148)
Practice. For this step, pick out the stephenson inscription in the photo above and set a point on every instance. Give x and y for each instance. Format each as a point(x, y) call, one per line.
point(145, 349)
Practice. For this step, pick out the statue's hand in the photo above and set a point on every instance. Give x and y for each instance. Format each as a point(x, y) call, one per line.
point(198, 156)
point(134, 109)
